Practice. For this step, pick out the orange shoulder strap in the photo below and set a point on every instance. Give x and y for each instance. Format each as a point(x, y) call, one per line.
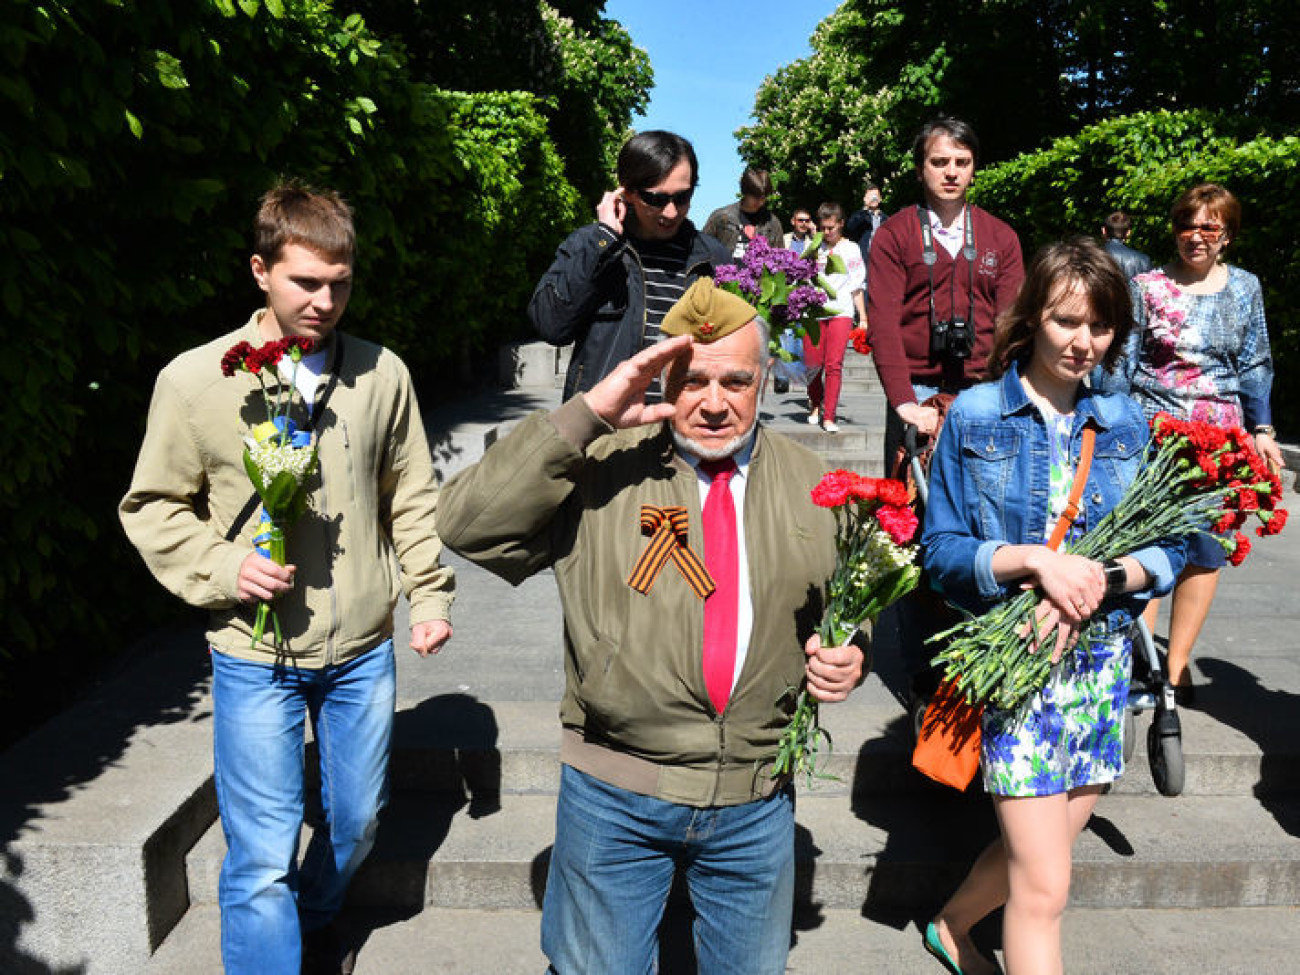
point(1076, 489)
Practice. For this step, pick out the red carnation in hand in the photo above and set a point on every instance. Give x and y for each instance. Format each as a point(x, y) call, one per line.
point(1240, 549)
point(301, 343)
point(235, 358)
point(859, 339)
point(1273, 522)
point(834, 489)
point(890, 491)
point(865, 489)
point(900, 523)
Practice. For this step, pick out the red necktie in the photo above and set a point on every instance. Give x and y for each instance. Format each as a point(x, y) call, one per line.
point(721, 558)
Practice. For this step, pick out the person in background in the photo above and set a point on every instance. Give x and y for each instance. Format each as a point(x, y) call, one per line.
point(940, 274)
point(368, 536)
point(802, 233)
point(612, 281)
point(1114, 234)
point(1200, 352)
point(675, 695)
point(828, 353)
point(738, 223)
point(863, 223)
point(989, 517)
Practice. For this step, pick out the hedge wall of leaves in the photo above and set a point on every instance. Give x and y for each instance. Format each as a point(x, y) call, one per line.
point(1140, 164)
point(135, 138)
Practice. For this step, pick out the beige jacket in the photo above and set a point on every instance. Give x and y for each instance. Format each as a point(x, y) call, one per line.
point(368, 531)
point(556, 493)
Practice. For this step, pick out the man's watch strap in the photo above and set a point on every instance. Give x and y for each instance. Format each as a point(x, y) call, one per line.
point(1116, 577)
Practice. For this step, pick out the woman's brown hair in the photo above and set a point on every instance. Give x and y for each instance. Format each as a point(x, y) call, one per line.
point(1077, 260)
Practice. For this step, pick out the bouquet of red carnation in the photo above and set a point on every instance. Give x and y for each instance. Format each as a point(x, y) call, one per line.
point(875, 565)
point(858, 337)
point(278, 457)
point(1196, 478)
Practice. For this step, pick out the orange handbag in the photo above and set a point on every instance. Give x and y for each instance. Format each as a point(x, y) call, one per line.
point(948, 745)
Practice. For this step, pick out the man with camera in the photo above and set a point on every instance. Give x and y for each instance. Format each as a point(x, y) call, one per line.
point(940, 273)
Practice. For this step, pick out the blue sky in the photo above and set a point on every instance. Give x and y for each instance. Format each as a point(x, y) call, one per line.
point(709, 57)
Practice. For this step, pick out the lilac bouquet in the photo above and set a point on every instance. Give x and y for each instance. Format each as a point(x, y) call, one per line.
point(785, 287)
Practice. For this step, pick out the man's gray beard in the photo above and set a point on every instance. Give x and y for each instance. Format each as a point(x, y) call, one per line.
point(732, 447)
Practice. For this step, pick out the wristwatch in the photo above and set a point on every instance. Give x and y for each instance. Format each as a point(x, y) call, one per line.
point(1266, 429)
point(1116, 577)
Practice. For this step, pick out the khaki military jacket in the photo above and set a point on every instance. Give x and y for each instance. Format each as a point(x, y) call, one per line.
point(561, 491)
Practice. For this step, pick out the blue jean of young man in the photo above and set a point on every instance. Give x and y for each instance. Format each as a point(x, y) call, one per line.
point(612, 866)
point(259, 714)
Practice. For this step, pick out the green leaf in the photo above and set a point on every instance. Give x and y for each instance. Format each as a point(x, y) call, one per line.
point(169, 71)
point(133, 123)
point(275, 8)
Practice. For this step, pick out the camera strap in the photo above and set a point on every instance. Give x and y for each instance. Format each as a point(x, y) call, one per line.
point(929, 256)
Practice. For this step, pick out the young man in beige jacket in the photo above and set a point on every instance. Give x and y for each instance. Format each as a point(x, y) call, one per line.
point(366, 535)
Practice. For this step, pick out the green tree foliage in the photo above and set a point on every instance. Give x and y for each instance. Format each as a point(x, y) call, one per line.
point(587, 74)
point(135, 138)
point(1021, 71)
point(1140, 164)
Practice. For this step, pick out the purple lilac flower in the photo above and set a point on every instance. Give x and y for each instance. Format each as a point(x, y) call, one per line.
point(805, 299)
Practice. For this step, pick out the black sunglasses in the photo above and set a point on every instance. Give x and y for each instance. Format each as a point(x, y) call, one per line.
point(660, 200)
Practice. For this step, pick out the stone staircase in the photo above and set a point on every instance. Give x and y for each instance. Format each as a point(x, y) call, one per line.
point(112, 847)
point(456, 879)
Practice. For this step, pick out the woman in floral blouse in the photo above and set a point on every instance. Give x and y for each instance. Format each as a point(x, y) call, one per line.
point(1200, 352)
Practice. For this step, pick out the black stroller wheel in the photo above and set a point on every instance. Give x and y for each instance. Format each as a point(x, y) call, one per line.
point(1165, 753)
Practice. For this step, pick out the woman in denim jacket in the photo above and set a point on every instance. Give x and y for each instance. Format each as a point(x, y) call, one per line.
point(1000, 479)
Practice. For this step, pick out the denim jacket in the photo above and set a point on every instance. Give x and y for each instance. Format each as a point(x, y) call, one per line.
point(989, 485)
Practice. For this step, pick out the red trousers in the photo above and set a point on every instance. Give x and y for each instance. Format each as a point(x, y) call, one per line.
point(824, 391)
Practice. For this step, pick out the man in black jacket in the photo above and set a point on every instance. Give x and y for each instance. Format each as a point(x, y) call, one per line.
point(1114, 235)
point(612, 281)
point(863, 223)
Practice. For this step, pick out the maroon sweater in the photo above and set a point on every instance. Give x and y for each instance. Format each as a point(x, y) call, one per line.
point(898, 298)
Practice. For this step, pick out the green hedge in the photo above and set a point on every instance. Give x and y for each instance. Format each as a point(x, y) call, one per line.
point(134, 142)
point(1140, 164)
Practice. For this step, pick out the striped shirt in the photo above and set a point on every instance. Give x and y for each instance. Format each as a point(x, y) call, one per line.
point(664, 262)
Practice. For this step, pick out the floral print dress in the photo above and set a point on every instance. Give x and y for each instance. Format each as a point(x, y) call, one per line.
point(1071, 733)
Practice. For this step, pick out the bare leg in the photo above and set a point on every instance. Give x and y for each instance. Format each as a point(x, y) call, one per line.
point(1193, 595)
point(1038, 834)
point(983, 891)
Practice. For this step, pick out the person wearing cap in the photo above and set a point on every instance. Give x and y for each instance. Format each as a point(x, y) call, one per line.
point(691, 563)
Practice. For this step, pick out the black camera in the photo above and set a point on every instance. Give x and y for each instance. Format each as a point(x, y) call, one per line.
point(951, 337)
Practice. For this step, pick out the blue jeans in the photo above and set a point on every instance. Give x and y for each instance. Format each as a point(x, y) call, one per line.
point(612, 866)
point(259, 714)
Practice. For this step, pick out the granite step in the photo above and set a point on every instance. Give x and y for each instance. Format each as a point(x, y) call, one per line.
point(465, 746)
point(1226, 941)
point(874, 853)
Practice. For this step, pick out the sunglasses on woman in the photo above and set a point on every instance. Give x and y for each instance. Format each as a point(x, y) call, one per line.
point(660, 200)
point(1211, 233)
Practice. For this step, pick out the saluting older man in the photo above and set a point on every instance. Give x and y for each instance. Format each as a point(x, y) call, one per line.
point(691, 563)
